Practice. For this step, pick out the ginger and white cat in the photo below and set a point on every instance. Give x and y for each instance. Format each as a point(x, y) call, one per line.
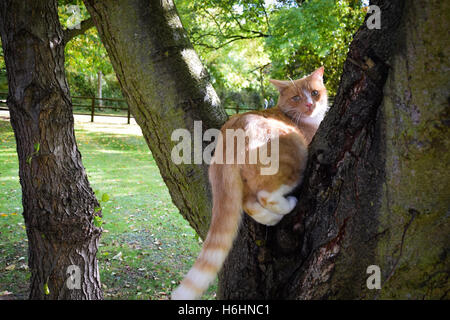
point(240, 187)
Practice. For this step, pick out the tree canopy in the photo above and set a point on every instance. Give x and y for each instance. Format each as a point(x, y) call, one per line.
point(85, 54)
point(241, 43)
point(244, 43)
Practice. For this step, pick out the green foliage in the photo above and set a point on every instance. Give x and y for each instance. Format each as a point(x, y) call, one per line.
point(37, 147)
point(105, 197)
point(316, 33)
point(98, 218)
point(98, 221)
point(244, 43)
point(3, 77)
point(241, 43)
point(86, 55)
point(229, 37)
point(46, 289)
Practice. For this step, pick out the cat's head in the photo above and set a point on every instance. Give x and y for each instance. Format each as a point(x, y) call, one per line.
point(303, 97)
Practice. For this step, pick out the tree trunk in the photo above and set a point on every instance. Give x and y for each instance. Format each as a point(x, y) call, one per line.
point(376, 187)
point(57, 200)
point(166, 87)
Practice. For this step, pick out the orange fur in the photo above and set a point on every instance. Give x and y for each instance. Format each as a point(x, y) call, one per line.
point(240, 186)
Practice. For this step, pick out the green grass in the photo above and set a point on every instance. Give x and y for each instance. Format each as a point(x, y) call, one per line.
point(146, 246)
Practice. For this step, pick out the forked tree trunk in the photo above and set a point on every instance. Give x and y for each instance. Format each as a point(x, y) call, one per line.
point(166, 87)
point(376, 187)
point(376, 183)
point(57, 200)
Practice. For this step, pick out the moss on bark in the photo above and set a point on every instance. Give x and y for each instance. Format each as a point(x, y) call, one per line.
point(413, 253)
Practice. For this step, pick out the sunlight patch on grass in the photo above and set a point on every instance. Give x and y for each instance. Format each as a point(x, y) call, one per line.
point(111, 127)
point(146, 247)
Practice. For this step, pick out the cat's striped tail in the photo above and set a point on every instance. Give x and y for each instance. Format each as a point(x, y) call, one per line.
point(227, 191)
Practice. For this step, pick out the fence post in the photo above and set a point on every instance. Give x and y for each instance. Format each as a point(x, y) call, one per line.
point(99, 88)
point(92, 109)
point(128, 120)
point(237, 108)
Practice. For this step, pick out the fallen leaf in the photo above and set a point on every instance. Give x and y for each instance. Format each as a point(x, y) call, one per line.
point(118, 256)
point(10, 267)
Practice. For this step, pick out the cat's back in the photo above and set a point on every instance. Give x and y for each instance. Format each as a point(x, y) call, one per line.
point(261, 121)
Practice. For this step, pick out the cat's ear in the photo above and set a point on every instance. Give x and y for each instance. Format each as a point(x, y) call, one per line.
point(318, 74)
point(279, 84)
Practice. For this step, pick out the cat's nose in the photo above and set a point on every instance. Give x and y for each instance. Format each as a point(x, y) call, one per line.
point(309, 105)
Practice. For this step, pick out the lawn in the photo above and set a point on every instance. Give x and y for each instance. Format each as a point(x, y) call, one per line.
point(146, 246)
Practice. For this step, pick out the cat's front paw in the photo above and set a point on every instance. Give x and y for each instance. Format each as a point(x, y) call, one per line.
point(267, 218)
point(276, 202)
point(273, 220)
point(292, 202)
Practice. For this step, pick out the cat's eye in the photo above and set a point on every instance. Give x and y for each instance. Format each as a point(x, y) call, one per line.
point(314, 93)
point(296, 98)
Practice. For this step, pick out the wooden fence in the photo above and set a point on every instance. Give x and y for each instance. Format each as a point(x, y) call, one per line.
point(238, 109)
point(3, 96)
point(91, 104)
point(95, 103)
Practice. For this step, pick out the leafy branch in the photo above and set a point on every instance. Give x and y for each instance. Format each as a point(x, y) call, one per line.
point(228, 28)
point(97, 218)
point(231, 39)
point(85, 25)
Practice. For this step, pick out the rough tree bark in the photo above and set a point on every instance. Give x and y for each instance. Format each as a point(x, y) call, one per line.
point(57, 200)
point(166, 87)
point(376, 187)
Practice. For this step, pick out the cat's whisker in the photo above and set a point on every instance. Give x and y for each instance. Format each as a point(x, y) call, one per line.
point(294, 115)
point(298, 116)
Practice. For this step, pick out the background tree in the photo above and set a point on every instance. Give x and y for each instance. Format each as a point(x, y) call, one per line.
point(59, 206)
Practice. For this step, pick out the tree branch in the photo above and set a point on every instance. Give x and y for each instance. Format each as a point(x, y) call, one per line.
point(231, 39)
point(226, 33)
point(261, 3)
point(85, 25)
